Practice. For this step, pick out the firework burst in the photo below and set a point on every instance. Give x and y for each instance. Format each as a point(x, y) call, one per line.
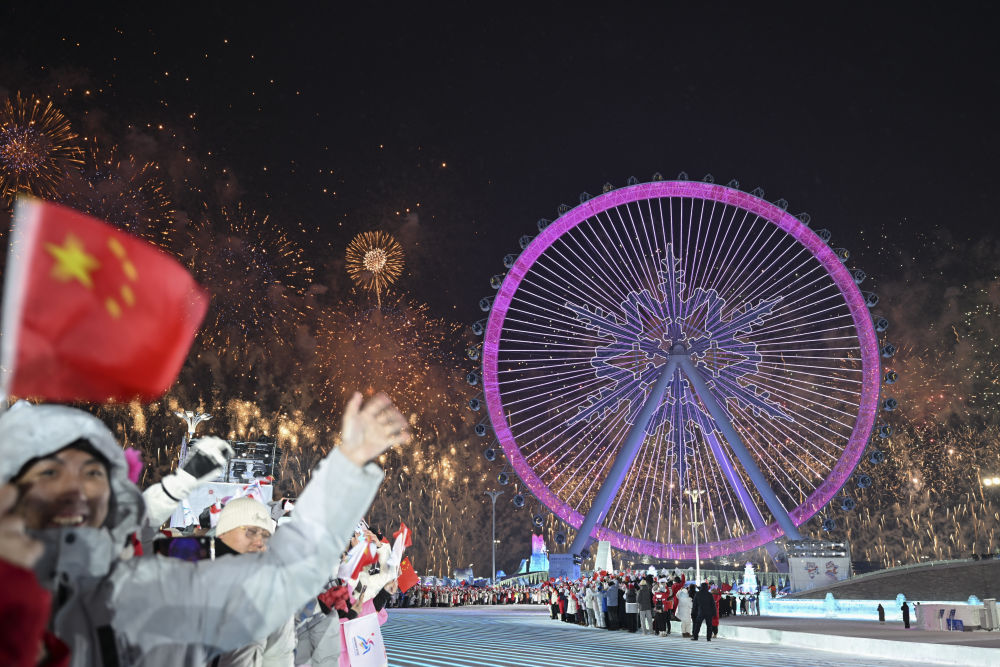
point(121, 191)
point(374, 262)
point(257, 277)
point(37, 147)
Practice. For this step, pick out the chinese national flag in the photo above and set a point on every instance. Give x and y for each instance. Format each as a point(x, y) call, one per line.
point(405, 532)
point(407, 577)
point(91, 313)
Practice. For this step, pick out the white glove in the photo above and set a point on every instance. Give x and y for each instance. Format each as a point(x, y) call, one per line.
point(206, 460)
point(208, 457)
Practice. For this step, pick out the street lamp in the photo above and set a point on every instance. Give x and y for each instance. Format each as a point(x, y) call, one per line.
point(192, 419)
point(493, 496)
point(695, 494)
point(991, 481)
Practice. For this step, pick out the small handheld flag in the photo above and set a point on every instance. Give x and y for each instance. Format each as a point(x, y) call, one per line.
point(91, 313)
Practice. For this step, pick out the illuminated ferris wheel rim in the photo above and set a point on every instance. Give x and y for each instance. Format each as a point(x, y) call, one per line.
point(766, 211)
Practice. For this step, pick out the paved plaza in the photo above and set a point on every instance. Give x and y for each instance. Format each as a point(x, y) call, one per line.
point(523, 635)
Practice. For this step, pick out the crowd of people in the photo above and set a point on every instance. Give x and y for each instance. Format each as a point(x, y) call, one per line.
point(628, 601)
point(93, 580)
point(465, 595)
point(88, 581)
point(634, 602)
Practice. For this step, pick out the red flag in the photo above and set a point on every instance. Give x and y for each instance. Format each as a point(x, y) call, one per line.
point(407, 576)
point(90, 312)
point(407, 542)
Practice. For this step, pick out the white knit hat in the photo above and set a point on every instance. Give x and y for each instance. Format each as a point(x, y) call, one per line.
point(244, 511)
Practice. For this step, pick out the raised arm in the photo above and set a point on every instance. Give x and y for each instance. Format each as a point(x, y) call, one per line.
point(229, 602)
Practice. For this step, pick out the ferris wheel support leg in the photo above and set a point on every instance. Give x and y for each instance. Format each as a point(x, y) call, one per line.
point(721, 418)
point(626, 456)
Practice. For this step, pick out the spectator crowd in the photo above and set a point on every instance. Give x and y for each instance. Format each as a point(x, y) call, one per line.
point(91, 580)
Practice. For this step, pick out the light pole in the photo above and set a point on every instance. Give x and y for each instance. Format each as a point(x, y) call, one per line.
point(192, 419)
point(493, 543)
point(695, 494)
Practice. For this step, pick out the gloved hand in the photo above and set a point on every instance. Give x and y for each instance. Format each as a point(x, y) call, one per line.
point(206, 460)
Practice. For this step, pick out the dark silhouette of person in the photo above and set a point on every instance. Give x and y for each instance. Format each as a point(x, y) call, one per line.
point(881, 613)
point(704, 611)
point(906, 615)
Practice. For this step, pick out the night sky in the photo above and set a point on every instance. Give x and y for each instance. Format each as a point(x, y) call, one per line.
point(456, 131)
point(870, 119)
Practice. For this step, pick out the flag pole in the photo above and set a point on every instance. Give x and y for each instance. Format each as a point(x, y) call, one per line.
point(23, 226)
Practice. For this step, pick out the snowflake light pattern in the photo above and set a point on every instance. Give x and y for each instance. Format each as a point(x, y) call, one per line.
point(639, 345)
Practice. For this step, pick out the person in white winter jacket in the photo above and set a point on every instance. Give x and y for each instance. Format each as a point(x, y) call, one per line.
point(683, 611)
point(588, 605)
point(77, 500)
point(595, 605)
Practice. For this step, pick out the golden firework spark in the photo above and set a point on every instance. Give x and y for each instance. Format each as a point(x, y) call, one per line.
point(374, 262)
point(257, 275)
point(123, 192)
point(37, 147)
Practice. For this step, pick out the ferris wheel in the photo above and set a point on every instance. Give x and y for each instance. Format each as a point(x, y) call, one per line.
point(681, 362)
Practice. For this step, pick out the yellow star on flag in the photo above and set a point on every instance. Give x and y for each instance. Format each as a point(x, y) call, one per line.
point(72, 261)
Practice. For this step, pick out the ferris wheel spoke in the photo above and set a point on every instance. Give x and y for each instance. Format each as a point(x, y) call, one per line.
point(575, 285)
point(561, 268)
point(562, 439)
point(693, 274)
point(802, 385)
point(614, 283)
point(736, 483)
point(729, 472)
point(547, 311)
point(722, 465)
point(727, 271)
point(791, 283)
point(649, 275)
point(608, 435)
point(802, 304)
point(758, 435)
point(648, 455)
point(660, 472)
point(554, 307)
point(706, 504)
point(556, 296)
point(823, 336)
point(686, 253)
point(730, 385)
point(553, 424)
point(760, 280)
point(552, 336)
point(704, 258)
point(841, 373)
point(822, 318)
point(804, 409)
point(757, 431)
point(789, 365)
point(725, 266)
point(741, 274)
point(634, 279)
point(628, 487)
point(742, 453)
point(765, 454)
point(625, 278)
point(551, 380)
